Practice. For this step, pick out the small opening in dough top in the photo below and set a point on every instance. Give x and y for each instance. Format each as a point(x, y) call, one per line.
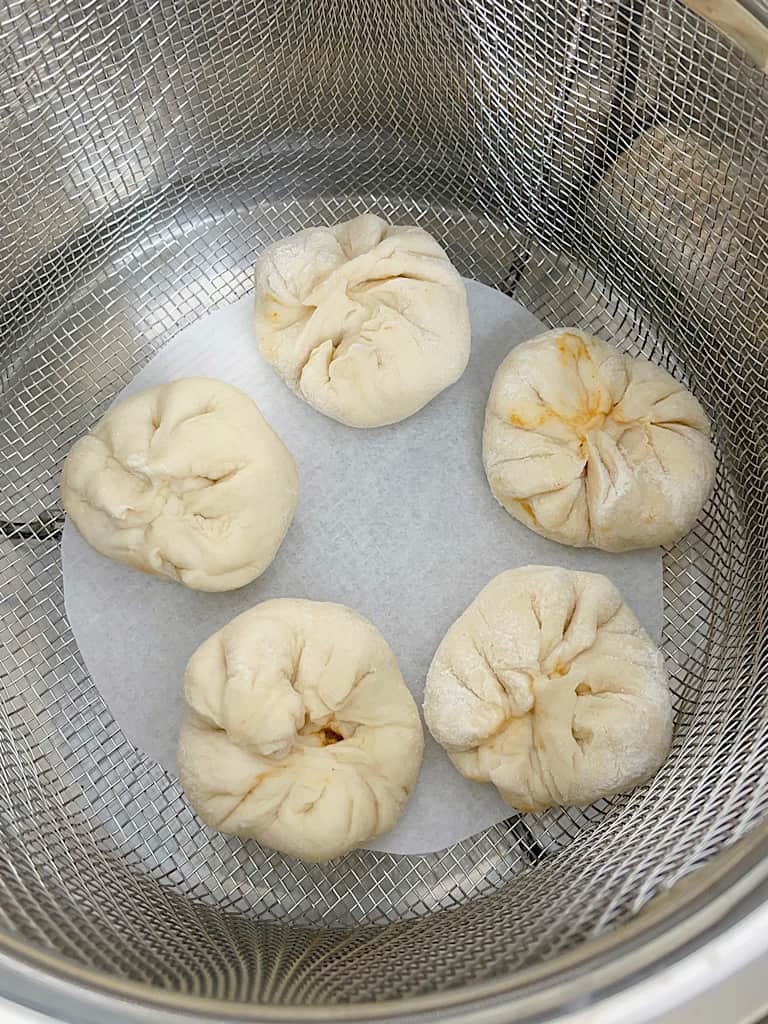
point(528, 509)
point(328, 735)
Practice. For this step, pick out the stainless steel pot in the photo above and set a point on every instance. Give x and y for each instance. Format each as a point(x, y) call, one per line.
point(604, 162)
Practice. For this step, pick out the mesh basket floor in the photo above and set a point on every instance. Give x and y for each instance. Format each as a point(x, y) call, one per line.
point(601, 162)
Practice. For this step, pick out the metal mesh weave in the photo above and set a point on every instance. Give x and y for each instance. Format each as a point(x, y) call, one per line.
point(601, 160)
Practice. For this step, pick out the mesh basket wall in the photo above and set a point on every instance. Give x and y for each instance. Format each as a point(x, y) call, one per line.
point(601, 160)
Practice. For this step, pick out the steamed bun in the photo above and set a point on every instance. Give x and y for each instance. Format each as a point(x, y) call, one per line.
point(591, 447)
point(548, 687)
point(299, 730)
point(186, 481)
point(365, 321)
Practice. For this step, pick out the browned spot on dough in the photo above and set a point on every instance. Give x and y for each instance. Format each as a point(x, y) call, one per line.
point(583, 688)
point(536, 417)
point(581, 421)
point(571, 346)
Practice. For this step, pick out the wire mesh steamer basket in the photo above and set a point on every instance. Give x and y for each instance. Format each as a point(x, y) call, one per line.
point(604, 162)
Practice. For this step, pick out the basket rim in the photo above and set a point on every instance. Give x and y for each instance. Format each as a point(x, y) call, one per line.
point(714, 901)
